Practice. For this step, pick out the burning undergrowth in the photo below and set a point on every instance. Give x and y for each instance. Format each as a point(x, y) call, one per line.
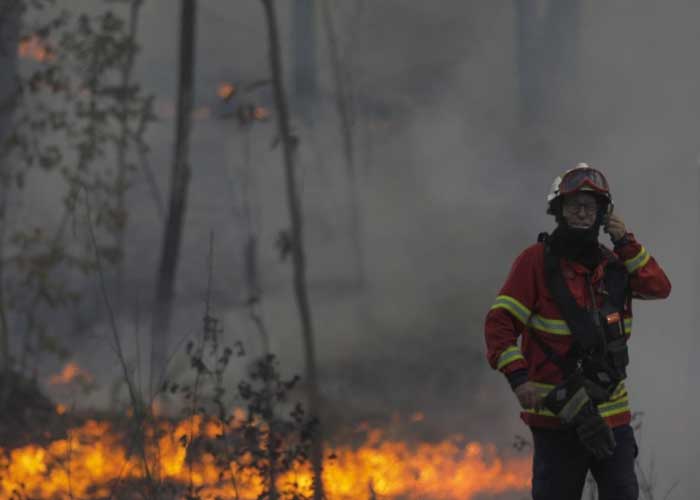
point(258, 449)
point(201, 458)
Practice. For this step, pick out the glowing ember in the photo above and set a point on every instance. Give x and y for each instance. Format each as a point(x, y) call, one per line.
point(93, 460)
point(35, 48)
point(417, 417)
point(261, 114)
point(70, 373)
point(226, 91)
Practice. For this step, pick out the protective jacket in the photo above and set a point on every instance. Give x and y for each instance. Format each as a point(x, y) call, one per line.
point(525, 304)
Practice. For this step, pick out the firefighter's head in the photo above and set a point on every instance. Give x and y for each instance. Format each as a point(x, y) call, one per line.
point(580, 199)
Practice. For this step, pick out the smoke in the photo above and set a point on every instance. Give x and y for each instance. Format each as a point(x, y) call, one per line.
point(446, 200)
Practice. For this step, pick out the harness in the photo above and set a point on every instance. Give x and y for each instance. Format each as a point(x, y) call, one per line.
point(599, 351)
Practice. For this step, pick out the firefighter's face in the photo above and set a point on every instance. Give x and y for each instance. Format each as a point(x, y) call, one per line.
point(579, 209)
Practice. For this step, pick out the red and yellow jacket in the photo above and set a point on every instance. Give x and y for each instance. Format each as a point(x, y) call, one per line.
point(525, 303)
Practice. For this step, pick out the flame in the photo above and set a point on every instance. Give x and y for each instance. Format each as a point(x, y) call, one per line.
point(261, 114)
point(70, 373)
point(93, 460)
point(417, 417)
point(226, 90)
point(34, 47)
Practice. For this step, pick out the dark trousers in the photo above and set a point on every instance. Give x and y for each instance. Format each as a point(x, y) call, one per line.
point(561, 463)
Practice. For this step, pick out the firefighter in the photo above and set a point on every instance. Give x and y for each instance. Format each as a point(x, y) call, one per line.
point(567, 299)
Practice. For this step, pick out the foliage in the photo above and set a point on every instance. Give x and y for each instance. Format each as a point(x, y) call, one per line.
point(267, 436)
point(75, 118)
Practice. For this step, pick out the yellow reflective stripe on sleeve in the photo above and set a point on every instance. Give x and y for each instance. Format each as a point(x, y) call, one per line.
point(628, 325)
point(508, 356)
point(637, 261)
point(554, 326)
point(513, 306)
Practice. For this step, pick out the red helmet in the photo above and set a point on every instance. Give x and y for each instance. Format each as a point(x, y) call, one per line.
point(580, 178)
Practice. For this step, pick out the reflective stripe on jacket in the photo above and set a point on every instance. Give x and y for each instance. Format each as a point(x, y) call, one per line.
point(525, 303)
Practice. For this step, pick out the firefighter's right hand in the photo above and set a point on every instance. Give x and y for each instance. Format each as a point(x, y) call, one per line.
point(528, 396)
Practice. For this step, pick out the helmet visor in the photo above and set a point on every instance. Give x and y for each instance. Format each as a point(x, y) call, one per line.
point(576, 179)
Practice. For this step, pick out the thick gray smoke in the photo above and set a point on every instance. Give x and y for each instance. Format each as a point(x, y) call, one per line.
point(446, 201)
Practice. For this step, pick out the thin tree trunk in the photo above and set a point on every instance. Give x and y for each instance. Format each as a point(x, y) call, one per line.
point(178, 196)
point(346, 131)
point(528, 61)
point(305, 87)
point(9, 39)
point(122, 146)
point(298, 258)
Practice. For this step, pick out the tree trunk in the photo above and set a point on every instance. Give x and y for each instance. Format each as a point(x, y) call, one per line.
point(123, 145)
point(298, 258)
point(305, 73)
point(178, 197)
point(346, 131)
point(9, 39)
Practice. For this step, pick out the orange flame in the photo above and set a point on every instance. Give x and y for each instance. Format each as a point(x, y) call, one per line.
point(261, 114)
point(417, 417)
point(35, 48)
point(70, 373)
point(226, 90)
point(93, 459)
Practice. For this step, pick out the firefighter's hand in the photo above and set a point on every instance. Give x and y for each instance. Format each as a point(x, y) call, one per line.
point(528, 396)
point(615, 227)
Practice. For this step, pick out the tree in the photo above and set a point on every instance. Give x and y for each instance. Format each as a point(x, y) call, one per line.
point(9, 38)
point(305, 73)
point(296, 241)
point(344, 109)
point(63, 120)
point(178, 194)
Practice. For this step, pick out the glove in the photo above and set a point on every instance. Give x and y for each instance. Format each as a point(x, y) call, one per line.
point(594, 433)
point(572, 404)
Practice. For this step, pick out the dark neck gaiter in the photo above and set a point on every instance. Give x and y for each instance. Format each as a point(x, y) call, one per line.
point(580, 245)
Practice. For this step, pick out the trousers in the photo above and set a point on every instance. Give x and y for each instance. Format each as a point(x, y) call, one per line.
point(561, 464)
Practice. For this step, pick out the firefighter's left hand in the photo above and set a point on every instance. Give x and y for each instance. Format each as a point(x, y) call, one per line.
point(615, 227)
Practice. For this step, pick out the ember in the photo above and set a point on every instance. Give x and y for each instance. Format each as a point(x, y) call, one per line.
point(226, 91)
point(71, 373)
point(35, 48)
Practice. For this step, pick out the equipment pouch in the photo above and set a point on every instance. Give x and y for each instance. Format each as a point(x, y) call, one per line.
point(597, 370)
point(618, 357)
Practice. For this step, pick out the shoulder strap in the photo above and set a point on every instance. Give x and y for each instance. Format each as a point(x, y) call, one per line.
point(586, 333)
point(567, 364)
point(616, 281)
